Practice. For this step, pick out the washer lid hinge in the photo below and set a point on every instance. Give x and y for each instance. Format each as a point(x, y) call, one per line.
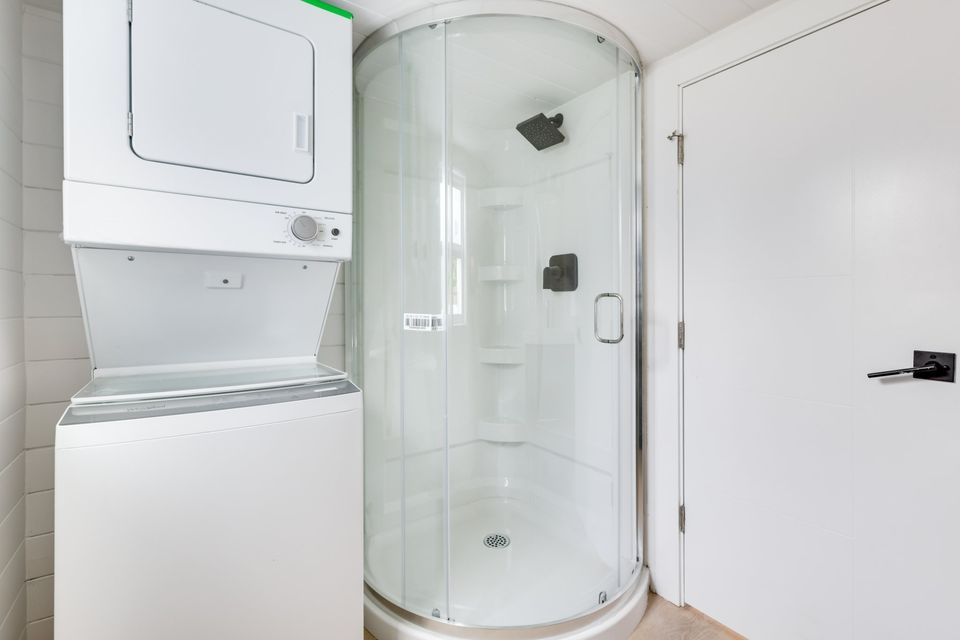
point(680, 138)
point(682, 334)
point(130, 11)
point(129, 124)
point(683, 519)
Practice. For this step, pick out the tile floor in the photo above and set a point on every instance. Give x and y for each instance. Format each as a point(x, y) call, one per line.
point(663, 621)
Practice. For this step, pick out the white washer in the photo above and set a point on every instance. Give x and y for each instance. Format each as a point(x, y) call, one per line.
point(235, 516)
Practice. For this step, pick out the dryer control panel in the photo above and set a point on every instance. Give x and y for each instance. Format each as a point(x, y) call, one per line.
point(314, 229)
point(103, 216)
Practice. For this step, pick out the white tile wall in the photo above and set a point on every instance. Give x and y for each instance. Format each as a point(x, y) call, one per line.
point(42, 81)
point(40, 598)
point(42, 207)
point(39, 555)
point(12, 626)
point(12, 389)
point(40, 420)
point(11, 577)
point(11, 485)
point(40, 629)
point(11, 252)
point(42, 166)
point(11, 438)
point(331, 351)
point(42, 38)
point(54, 338)
point(11, 294)
point(51, 296)
point(54, 343)
point(10, 151)
point(45, 253)
point(11, 341)
point(12, 381)
point(39, 464)
point(55, 380)
point(39, 513)
point(10, 209)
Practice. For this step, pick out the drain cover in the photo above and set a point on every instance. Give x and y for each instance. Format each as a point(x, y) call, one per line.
point(496, 541)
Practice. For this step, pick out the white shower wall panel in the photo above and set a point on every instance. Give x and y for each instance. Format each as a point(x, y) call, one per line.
point(543, 323)
point(557, 216)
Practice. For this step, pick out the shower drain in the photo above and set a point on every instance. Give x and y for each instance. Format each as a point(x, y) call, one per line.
point(496, 541)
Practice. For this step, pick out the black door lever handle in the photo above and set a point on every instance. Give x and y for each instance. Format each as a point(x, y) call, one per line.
point(899, 372)
point(927, 365)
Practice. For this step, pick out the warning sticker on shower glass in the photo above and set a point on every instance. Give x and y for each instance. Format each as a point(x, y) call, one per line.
point(422, 322)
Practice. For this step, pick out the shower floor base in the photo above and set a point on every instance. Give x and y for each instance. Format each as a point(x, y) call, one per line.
point(615, 621)
point(545, 573)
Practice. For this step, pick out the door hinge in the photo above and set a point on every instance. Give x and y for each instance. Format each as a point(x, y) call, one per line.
point(682, 334)
point(680, 138)
point(129, 124)
point(130, 11)
point(683, 519)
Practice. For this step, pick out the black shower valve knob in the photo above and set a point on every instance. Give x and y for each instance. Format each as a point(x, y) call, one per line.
point(562, 273)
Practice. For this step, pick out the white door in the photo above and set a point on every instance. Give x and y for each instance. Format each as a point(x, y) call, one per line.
point(821, 227)
point(214, 89)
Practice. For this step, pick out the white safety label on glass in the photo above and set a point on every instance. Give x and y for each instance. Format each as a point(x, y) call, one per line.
point(422, 322)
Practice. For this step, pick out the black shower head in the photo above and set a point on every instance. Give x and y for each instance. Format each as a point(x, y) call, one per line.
point(541, 131)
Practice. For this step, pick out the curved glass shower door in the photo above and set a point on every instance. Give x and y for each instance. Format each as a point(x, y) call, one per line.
point(494, 284)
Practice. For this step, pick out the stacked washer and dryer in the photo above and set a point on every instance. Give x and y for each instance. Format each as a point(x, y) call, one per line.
point(209, 480)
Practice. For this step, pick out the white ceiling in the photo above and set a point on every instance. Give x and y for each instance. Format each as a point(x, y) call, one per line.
point(657, 27)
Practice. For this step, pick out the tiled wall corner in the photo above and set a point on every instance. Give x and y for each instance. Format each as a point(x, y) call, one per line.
point(55, 348)
point(12, 371)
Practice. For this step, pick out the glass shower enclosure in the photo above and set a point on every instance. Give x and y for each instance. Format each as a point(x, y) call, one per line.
point(494, 295)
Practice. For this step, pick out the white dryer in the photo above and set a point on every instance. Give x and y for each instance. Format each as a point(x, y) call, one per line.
point(245, 100)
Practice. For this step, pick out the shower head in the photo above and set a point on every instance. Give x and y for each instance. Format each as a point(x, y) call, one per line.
point(541, 131)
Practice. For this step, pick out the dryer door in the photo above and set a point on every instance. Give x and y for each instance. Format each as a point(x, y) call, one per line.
point(217, 90)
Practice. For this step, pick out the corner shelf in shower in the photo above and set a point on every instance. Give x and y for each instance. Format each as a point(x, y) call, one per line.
point(500, 273)
point(502, 430)
point(508, 356)
point(500, 198)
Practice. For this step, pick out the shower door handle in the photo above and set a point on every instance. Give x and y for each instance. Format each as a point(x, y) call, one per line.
point(596, 318)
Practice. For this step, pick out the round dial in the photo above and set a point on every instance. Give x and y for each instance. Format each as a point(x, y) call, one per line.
point(304, 228)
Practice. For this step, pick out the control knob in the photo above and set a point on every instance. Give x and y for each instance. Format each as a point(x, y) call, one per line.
point(305, 228)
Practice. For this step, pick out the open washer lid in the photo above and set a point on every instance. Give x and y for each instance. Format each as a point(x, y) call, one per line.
point(165, 324)
point(142, 385)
